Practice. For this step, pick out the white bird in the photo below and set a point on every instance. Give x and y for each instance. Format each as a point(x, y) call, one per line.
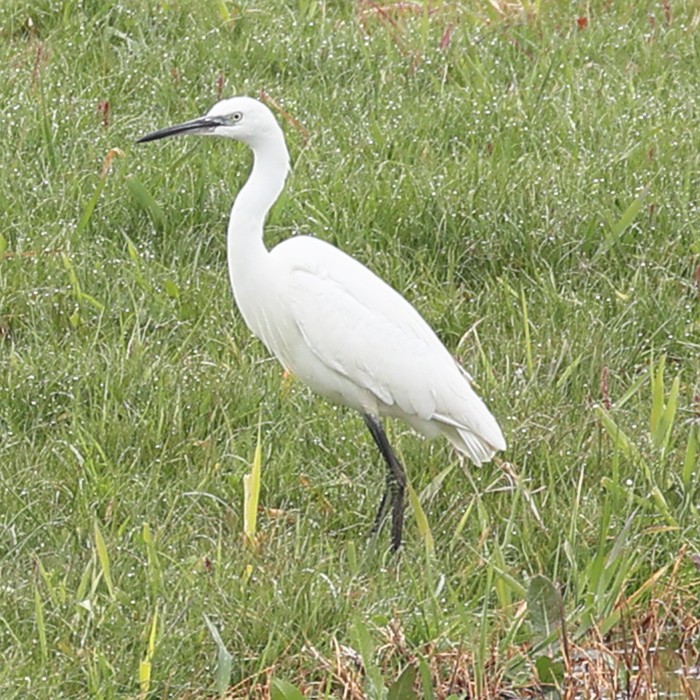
point(332, 322)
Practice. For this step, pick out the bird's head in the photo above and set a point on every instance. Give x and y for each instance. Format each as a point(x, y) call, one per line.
point(242, 118)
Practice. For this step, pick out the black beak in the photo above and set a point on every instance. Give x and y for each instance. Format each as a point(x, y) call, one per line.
point(203, 125)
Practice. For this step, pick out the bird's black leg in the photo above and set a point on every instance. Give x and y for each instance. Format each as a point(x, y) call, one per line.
point(383, 504)
point(396, 483)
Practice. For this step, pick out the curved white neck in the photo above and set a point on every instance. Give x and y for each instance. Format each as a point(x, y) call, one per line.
point(261, 190)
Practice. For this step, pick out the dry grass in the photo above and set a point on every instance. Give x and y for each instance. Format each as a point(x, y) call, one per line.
point(629, 666)
point(650, 654)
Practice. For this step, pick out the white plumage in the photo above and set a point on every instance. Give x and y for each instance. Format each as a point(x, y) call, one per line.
point(332, 322)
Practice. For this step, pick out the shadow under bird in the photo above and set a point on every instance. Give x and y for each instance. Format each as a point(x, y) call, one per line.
point(332, 322)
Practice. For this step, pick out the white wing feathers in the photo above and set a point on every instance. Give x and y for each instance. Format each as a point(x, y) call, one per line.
point(356, 336)
point(360, 327)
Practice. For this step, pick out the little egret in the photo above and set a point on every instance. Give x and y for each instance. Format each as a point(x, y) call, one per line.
point(332, 322)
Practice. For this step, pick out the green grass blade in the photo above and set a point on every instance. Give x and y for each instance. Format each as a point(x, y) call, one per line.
point(222, 11)
point(224, 660)
point(154, 568)
point(146, 664)
point(620, 440)
point(90, 207)
point(690, 462)
point(103, 558)
point(102, 181)
point(146, 201)
point(421, 521)
point(40, 624)
point(500, 584)
point(78, 292)
point(629, 215)
point(669, 415)
point(251, 492)
point(461, 525)
point(621, 225)
point(657, 400)
point(632, 391)
point(433, 488)
point(526, 333)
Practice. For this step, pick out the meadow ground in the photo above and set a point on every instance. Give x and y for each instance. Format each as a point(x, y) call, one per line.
point(526, 174)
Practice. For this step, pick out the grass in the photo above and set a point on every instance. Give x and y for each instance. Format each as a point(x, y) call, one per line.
point(527, 175)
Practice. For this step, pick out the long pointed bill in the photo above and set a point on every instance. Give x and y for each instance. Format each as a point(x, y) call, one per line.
point(203, 125)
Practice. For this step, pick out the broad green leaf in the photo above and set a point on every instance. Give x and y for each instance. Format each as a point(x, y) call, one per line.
point(284, 690)
point(171, 289)
point(549, 672)
point(426, 679)
point(365, 645)
point(363, 641)
point(545, 607)
point(402, 688)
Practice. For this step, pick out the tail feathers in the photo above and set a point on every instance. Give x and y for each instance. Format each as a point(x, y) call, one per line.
point(478, 435)
point(477, 449)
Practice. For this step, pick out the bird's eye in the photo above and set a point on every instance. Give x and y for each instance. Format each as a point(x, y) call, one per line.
point(236, 116)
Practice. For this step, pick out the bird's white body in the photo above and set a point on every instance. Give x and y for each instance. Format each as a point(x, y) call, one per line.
point(337, 326)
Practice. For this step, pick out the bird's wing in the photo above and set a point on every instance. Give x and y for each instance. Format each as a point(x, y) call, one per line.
point(369, 338)
point(359, 326)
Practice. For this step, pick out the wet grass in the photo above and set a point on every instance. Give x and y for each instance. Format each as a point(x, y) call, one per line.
point(528, 178)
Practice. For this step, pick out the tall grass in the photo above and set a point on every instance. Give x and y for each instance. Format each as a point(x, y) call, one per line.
point(526, 175)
